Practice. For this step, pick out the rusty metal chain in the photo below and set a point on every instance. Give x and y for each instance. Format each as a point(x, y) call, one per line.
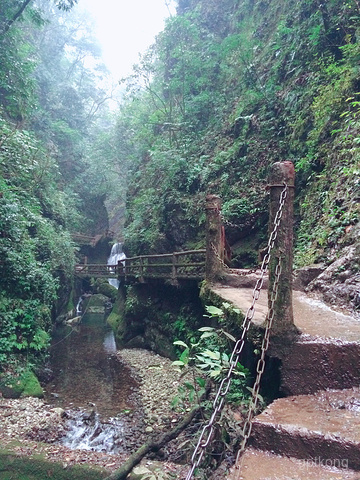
point(218, 403)
point(231, 224)
point(229, 269)
point(246, 431)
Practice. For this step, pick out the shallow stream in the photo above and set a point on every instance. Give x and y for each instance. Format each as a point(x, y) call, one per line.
point(91, 384)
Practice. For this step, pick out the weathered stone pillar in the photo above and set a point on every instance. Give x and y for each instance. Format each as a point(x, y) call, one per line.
point(282, 173)
point(213, 237)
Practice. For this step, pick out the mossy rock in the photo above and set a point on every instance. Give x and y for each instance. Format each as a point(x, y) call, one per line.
point(96, 303)
point(14, 466)
point(97, 300)
point(70, 307)
point(25, 385)
point(116, 319)
point(103, 287)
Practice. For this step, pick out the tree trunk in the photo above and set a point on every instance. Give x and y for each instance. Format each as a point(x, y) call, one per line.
point(16, 16)
point(152, 446)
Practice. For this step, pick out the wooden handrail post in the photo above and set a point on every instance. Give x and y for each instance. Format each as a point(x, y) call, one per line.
point(174, 268)
point(141, 270)
point(282, 173)
point(119, 268)
point(213, 237)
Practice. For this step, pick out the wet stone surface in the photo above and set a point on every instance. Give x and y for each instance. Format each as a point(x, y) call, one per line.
point(260, 465)
point(307, 426)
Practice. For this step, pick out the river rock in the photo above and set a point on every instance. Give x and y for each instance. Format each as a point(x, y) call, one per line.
point(140, 473)
point(151, 470)
point(73, 321)
point(60, 411)
point(303, 276)
point(339, 283)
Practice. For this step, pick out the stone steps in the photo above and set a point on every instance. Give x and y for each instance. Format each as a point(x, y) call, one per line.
point(305, 436)
point(316, 427)
point(326, 351)
point(261, 465)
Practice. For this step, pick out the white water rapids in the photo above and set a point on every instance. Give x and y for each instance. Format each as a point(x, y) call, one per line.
point(88, 432)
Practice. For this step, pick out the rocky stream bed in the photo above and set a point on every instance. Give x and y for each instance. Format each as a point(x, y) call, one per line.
point(31, 426)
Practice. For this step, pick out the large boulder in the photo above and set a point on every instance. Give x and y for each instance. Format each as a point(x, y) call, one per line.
point(24, 385)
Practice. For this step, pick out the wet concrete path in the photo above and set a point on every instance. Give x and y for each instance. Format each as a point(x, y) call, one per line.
point(311, 316)
point(314, 432)
point(261, 465)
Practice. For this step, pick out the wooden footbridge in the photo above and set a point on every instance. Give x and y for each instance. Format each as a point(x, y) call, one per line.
point(82, 239)
point(209, 263)
point(187, 265)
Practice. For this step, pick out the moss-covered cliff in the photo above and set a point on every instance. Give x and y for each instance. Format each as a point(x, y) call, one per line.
point(229, 88)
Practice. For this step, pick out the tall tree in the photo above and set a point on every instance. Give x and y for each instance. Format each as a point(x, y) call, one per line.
point(18, 9)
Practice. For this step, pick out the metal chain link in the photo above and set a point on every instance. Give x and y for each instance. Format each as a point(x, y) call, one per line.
point(231, 224)
point(261, 363)
point(218, 403)
point(232, 270)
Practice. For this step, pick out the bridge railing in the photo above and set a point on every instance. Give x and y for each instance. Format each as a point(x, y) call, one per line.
point(95, 270)
point(82, 239)
point(177, 265)
point(189, 264)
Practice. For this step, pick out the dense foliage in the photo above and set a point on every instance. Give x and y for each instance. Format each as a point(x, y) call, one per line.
point(228, 88)
point(48, 101)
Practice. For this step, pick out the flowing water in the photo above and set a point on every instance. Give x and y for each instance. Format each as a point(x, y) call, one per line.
point(115, 257)
point(91, 382)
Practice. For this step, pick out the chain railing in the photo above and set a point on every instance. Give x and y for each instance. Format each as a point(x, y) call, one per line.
point(246, 431)
point(218, 403)
point(228, 269)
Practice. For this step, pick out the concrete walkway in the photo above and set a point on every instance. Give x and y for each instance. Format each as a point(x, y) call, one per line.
point(305, 437)
point(313, 433)
point(311, 316)
point(261, 465)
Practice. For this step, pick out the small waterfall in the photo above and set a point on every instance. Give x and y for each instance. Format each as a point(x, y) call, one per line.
point(79, 306)
point(116, 255)
point(87, 432)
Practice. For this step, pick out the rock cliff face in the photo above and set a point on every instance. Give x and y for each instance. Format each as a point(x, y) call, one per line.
point(339, 284)
point(153, 315)
point(237, 86)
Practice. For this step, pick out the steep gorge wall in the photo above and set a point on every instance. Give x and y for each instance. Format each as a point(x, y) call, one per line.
point(242, 85)
point(154, 315)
